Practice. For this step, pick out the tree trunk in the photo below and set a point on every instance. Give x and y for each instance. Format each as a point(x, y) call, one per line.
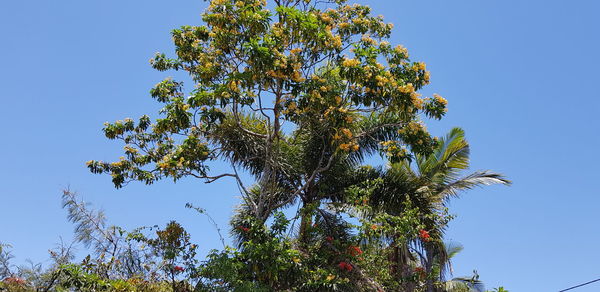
point(400, 266)
point(428, 269)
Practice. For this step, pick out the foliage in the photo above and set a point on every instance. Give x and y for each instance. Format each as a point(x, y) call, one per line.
point(163, 260)
point(291, 96)
point(299, 96)
point(5, 257)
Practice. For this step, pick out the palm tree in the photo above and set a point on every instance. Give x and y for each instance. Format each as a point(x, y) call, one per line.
point(465, 284)
point(461, 284)
point(429, 182)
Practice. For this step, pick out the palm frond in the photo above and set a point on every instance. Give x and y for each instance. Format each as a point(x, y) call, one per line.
point(478, 178)
point(373, 129)
point(90, 224)
point(453, 248)
point(450, 156)
point(238, 144)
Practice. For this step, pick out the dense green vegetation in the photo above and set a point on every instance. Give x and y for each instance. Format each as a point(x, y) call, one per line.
point(301, 98)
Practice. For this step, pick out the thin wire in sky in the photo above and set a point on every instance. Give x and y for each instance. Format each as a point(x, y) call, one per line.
point(590, 282)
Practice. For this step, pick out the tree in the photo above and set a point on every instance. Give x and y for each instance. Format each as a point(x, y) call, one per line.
point(429, 184)
point(5, 257)
point(286, 95)
point(297, 97)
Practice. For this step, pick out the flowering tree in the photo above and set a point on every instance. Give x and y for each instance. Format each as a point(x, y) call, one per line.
point(298, 97)
point(292, 96)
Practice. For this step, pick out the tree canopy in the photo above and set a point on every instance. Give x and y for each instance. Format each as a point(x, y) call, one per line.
point(300, 95)
point(294, 96)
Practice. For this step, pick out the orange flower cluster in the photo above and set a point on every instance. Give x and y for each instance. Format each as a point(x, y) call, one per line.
point(354, 251)
point(424, 235)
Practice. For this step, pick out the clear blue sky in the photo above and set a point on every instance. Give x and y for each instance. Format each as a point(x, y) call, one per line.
point(521, 78)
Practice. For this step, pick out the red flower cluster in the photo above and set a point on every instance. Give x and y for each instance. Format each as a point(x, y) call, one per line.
point(420, 272)
point(14, 281)
point(329, 238)
point(424, 235)
point(179, 269)
point(242, 228)
point(344, 266)
point(354, 250)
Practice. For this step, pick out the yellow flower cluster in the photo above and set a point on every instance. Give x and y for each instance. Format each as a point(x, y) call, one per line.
point(349, 147)
point(440, 99)
point(234, 86)
point(426, 77)
point(297, 76)
point(277, 29)
point(346, 135)
point(283, 63)
point(129, 149)
point(389, 143)
point(346, 132)
point(414, 128)
point(392, 149)
point(350, 62)
point(401, 50)
point(217, 3)
point(419, 66)
point(292, 106)
point(417, 101)
point(336, 41)
point(119, 163)
point(315, 95)
point(381, 80)
point(333, 108)
point(408, 88)
point(367, 39)
point(326, 18)
point(359, 21)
